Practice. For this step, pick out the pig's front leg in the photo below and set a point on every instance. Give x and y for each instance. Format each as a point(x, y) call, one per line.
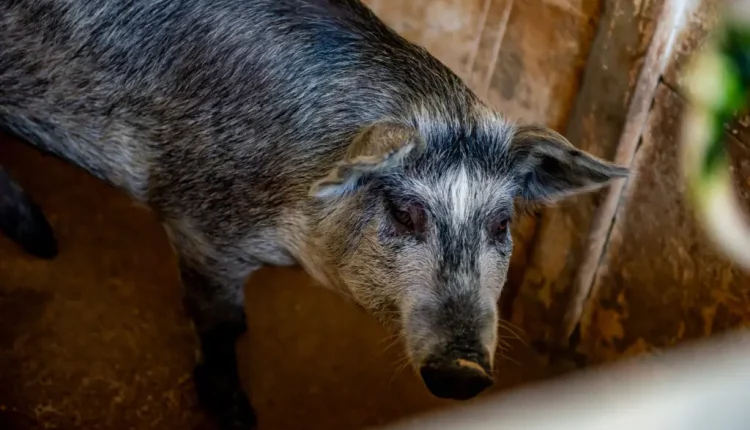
point(214, 299)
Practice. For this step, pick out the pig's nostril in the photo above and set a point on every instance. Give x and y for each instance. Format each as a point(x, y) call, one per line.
point(457, 380)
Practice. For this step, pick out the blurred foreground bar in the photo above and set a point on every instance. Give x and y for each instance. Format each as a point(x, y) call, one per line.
point(704, 386)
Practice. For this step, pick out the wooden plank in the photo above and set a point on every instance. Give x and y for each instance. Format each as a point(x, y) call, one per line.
point(541, 60)
point(488, 47)
point(449, 29)
point(608, 108)
point(661, 281)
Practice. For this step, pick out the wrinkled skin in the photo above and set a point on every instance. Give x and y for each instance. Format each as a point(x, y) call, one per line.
point(287, 132)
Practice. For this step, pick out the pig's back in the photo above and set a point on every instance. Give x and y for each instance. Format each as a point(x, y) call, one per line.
point(170, 96)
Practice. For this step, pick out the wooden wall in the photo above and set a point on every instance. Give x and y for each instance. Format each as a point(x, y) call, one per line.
point(524, 56)
point(660, 281)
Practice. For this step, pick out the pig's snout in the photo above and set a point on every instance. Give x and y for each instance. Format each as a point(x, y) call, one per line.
point(451, 341)
point(458, 375)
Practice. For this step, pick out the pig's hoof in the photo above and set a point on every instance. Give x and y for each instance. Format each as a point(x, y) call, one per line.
point(26, 225)
point(41, 243)
point(44, 248)
point(241, 416)
point(223, 399)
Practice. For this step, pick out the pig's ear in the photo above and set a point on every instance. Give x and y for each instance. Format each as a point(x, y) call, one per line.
point(376, 149)
point(547, 167)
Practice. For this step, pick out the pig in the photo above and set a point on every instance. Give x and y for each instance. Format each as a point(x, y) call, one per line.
point(287, 132)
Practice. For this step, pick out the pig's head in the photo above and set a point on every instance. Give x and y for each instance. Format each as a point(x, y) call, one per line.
point(423, 213)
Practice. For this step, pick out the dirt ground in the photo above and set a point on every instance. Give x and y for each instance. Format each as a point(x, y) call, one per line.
point(97, 338)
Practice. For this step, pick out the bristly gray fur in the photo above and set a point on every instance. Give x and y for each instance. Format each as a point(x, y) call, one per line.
point(223, 115)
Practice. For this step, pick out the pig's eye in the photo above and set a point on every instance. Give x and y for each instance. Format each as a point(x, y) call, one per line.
point(403, 218)
point(408, 219)
point(499, 227)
